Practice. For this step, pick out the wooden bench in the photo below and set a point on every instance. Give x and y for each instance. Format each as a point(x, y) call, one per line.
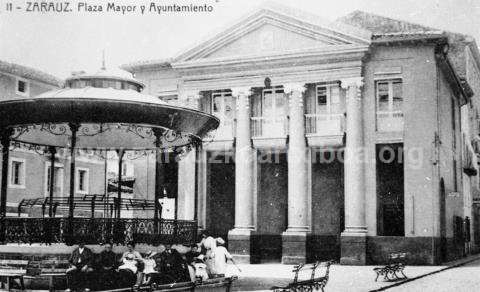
point(11, 270)
point(310, 284)
point(396, 265)
point(49, 269)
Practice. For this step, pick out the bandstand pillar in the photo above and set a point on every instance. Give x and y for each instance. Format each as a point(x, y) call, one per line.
point(5, 140)
point(239, 238)
point(294, 239)
point(73, 129)
point(119, 187)
point(159, 178)
point(353, 239)
point(52, 152)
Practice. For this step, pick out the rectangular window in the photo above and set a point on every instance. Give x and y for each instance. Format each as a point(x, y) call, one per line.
point(17, 173)
point(389, 96)
point(82, 180)
point(58, 180)
point(22, 87)
point(328, 99)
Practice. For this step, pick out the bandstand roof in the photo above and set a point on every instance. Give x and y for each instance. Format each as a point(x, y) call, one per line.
point(108, 118)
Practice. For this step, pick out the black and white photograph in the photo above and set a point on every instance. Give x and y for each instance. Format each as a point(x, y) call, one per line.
point(239, 145)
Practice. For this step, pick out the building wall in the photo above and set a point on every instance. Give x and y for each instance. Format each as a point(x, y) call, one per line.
point(8, 85)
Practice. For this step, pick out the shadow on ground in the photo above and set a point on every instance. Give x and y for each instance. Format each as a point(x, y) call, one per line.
point(258, 283)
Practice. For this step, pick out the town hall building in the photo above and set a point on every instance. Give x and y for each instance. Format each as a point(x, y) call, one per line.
point(338, 140)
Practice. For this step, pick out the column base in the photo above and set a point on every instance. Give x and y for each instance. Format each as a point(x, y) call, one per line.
point(239, 244)
point(353, 248)
point(294, 247)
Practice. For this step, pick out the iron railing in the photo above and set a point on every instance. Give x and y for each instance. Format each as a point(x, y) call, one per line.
point(97, 230)
point(324, 124)
point(269, 127)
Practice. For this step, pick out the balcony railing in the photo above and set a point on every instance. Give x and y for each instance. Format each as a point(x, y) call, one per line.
point(324, 124)
point(269, 127)
point(391, 121)
point(96, 230)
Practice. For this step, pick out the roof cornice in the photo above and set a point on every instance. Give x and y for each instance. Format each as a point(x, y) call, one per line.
point(323, 52)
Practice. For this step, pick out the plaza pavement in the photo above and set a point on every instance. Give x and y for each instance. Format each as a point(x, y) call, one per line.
point(342, 278)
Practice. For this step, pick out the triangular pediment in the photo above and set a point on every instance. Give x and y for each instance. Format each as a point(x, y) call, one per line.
point(269, 30)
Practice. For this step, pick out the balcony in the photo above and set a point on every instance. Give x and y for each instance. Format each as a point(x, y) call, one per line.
point(390, 121)
point(222, 138)
point(269, 132)
point(324, 129)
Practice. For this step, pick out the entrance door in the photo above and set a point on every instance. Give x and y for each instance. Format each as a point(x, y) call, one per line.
point(272, 203)
point(221, 197)
point(274, 112)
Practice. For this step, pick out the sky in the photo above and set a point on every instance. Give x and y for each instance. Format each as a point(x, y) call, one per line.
point(59, 43)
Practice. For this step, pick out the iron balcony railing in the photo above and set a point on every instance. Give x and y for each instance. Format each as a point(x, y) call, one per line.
point(269, 127)
point(324, 124)
point(96, 230)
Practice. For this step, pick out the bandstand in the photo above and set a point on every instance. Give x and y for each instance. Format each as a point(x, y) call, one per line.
point(99, 114)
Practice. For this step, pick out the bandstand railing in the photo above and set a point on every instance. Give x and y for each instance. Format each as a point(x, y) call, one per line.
point(97, 230)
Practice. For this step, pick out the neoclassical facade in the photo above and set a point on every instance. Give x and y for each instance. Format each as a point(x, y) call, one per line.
point(337, 139)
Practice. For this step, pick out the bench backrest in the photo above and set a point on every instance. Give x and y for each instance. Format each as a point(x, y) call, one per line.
point(313, 267)
point(13, 266)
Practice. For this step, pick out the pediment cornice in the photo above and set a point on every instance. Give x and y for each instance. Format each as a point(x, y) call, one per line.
point(321, 32)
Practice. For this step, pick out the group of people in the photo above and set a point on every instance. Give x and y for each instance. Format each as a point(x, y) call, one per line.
point(169, 264)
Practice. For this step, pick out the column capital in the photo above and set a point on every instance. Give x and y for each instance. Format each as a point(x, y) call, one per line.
point(294, 87)
point(352, 81)
point(191, 99)
point(241, 91)
point(192, 94)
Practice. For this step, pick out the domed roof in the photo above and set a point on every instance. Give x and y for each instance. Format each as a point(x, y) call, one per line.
point(115, 74)
point(110, 111)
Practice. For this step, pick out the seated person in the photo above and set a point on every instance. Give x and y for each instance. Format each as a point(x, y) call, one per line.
point(131, 261)
point(150, 264)
point(107, 264)
point(79, 274)
point(171, 266)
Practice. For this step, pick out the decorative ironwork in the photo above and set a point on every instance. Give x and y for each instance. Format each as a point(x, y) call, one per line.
point(91, 130)
point(97, 230)
point(55, 129)
point(39, 149)
point(137, 154)
point(140, 131)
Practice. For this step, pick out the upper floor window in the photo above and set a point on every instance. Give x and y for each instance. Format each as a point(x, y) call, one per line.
point(327, 99)
point(17, 173)
point(82, 180)
point(57, 180)
point(389, 96)
point(222, 105)
point(22, 87)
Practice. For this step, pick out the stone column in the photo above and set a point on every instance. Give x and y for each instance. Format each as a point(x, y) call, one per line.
point(239, 237)
point(186, 168)
point(295, 237)
point(353, 239)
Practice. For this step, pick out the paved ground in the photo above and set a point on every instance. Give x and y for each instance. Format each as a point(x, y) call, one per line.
point(463, 278)
point(355, 278)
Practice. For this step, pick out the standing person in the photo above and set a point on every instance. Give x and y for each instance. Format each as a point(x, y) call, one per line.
point(209, 245)
point(79, 273)
point(107, 263)
point(220, 258)
point(131, 262)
